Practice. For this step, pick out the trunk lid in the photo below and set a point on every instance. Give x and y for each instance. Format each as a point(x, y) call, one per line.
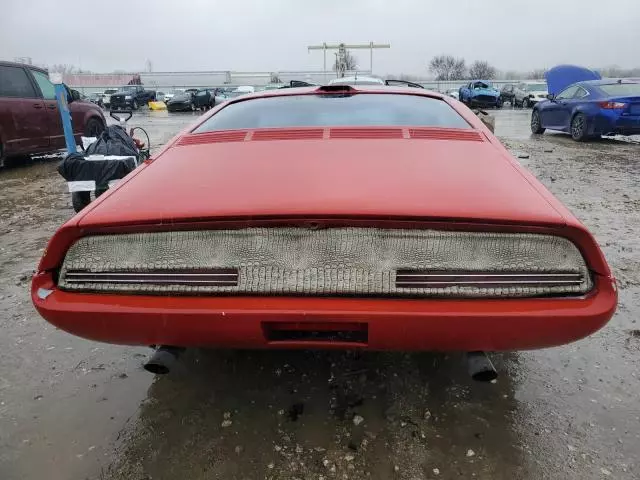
point(375, 173)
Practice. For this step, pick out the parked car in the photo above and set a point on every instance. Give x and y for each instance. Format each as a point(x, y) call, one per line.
point(590, 109)
point(30, 121)
point(250, 247)
point(168, 96)
point(96, 98)
point(241, 90)
point(527, 94)
point(480, 93)
point(160, 96)
point(453, 93)
point(106, 96)
point(204, 99)
point(131, 97)
point(181, 102)
point(506, 93)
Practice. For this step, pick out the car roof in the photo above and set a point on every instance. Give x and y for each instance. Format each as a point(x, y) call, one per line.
point(356, 80)
point(354, 89)
point(606, 81)
point(16, 64)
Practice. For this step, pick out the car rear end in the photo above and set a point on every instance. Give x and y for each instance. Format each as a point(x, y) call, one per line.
point(461, 252)
point(617, 109)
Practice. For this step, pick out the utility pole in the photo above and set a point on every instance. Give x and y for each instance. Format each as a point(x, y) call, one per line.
point(342, 48)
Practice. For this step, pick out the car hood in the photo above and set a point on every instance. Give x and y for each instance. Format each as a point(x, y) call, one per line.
point(560, 77)
point(485, 91)
point(471, 180)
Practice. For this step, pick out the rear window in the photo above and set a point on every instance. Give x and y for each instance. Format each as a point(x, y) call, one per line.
point(621, 89)
point(335, 110)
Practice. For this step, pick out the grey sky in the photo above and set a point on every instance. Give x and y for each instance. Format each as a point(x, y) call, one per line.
point(273, 35)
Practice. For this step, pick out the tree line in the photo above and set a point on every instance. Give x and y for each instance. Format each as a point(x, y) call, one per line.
point(448, 67)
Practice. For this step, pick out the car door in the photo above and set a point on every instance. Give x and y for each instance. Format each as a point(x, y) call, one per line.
point(568, 105)
point(23, 121)
point(48, 92)
point(553, 114)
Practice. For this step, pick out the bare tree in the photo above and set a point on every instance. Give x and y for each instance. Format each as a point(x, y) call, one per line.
point(447, 67)
point(536, 74)
point(482, 69)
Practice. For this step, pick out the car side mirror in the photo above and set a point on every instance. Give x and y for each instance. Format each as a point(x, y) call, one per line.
point(551, 96)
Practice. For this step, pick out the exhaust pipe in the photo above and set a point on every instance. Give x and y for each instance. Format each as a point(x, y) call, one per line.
point(163, 359)
point(480, 367)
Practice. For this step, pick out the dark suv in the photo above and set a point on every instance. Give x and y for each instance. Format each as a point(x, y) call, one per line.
point(30, 121)
point(507, 93)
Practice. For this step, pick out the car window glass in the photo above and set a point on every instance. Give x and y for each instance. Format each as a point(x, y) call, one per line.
point(335, 110)
point(46, 87)
point(14, 82)
point(567, 93)
point(621, 89)
point(581, 93)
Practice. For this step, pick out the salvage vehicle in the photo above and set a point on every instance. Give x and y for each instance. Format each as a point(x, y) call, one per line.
point(30, 121)
point(506, 93)
point(106, 96)
point(171, 94)
point(366, 217)
point(590, 108)
point(204, 99)
point(480, 93)
point(131, 97)
point(527, 94)
point(181, 102)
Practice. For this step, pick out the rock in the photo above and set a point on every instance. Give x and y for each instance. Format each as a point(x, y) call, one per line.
point(226, 415)
point(571, 448)
point(270, 466)
point(326, 462)
point(226, 423)
point(523, 155)
point(299, 449)
point(605, 471)
point(238, 449)
point(470, 453)
point(396, 468)
point(548, 150)
point(357, 420)
point(277, 448)
point(349, 458)
point(427, 414)
point(436, 471)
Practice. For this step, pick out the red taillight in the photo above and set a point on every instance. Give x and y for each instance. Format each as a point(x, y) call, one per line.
point(612, 105)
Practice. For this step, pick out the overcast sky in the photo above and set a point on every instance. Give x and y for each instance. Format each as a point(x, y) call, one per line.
point(272, 35)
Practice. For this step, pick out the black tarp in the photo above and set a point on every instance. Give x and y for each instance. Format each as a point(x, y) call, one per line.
point(76, 168)
point(114, 140)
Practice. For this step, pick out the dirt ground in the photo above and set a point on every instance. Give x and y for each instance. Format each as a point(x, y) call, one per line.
point(73, 409)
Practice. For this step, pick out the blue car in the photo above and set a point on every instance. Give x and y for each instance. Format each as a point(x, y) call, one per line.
point(585, 106)
point(480, 93)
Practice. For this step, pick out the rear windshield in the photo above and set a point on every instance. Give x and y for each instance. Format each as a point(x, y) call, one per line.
point(621, 89)
point(335, 110)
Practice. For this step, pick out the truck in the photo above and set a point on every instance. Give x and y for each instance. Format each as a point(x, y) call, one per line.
point(131, 97)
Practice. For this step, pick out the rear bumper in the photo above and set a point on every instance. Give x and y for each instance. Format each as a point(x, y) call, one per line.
point(389, 324)
point(616, 123)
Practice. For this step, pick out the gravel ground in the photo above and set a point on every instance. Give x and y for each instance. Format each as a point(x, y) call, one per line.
point(73, 409)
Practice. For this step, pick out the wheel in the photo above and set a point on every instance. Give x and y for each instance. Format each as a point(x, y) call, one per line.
point(93, 128)
point(536, 124)
point(499, 103)
point(79, 200)
point(135, 104)
point(579, 130)
point(193, 107)
point(526, 103)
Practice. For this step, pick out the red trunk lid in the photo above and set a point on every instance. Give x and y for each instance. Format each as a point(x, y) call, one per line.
point(467, 178)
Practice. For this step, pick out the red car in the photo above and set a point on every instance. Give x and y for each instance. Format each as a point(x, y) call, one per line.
point(329, 217)
point(30, 121)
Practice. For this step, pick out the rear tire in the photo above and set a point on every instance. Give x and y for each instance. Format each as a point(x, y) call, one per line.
point(579, 130)
point(79, 200)
point(536, 124)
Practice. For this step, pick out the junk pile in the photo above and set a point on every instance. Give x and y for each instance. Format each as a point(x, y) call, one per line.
point(106, 160)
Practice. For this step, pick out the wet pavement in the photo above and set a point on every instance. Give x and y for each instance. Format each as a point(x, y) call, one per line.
point(74, 409)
